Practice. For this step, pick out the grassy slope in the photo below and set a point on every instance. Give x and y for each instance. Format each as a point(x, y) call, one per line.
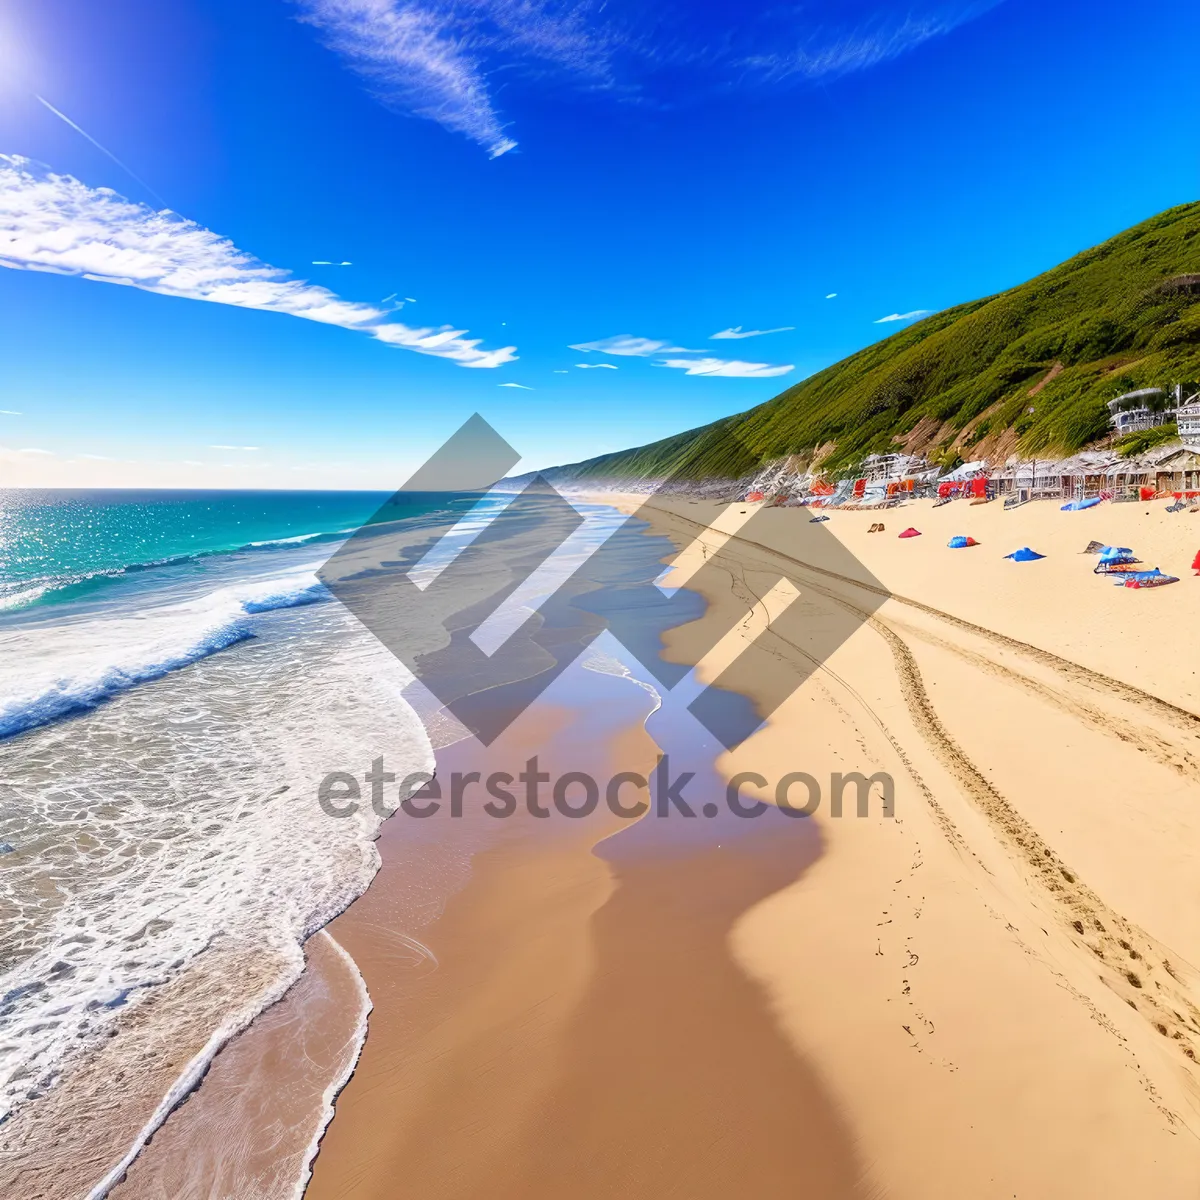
point(960, 381)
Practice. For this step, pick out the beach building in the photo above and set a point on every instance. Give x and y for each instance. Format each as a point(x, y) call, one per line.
point(1188, 418)
point(1178, 472)
point(1132, 412)
point(1028, 479)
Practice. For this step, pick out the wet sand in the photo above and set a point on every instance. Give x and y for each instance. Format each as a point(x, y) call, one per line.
point(585, 1031)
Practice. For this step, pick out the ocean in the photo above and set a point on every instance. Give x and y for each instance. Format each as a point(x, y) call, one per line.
point(174, 679)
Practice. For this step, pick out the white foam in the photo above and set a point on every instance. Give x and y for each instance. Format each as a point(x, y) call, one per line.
point(48, 675)
point(366, 1006)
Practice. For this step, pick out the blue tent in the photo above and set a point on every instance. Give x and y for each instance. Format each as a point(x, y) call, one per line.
point(1114, 552)
point(1024, 555)
point(1077, 505)
point(961, 543)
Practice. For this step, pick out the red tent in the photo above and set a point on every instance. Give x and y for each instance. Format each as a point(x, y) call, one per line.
point(911, 532)
point(979, 486)
point(1196, 564)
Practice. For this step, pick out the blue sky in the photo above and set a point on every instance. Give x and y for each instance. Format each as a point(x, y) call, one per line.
point(509, 180)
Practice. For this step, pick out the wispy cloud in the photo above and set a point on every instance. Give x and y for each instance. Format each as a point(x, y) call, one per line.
point(625, 345)
point(523, 386)
point(35, 450)
point(325, 262)
point(908, 316)
point(417, 59)
point(437, 59)
point(56, 224)
point(8, 412)
point(727, 368)
point(738, 332)
point(598, 366)
point(873, 40)
point(831, 296)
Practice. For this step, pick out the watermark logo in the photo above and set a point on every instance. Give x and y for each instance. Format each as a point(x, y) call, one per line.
point(578, 794)
point(498, 600)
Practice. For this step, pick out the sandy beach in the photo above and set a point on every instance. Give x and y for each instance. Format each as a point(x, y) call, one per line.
point(991, 993)
point(998, 985)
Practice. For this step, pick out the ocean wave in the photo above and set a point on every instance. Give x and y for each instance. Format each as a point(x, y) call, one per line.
point(21, 593)
point(59, 679)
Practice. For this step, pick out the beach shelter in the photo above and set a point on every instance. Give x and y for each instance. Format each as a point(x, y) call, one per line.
point(1195, 562)
point(979, 487)
point(961, 543)
point(1024, 555)
point(911, 532)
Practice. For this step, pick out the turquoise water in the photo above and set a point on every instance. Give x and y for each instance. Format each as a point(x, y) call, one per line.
point(56, 545)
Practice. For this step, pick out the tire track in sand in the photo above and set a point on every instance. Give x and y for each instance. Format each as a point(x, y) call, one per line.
point(1132, 964)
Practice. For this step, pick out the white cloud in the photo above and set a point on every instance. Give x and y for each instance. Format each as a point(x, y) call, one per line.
point(738, 332)
point(8, 412)
point(562, 372)
point(223, 447)
point(56, 224)
point(597, 367)
point(436, 58)
point(325, 262)
point(627, 346)
point(433, 58)
point(34, 450)
point(417, 60)
point(825, 55)
point(908, 316)
point(523, 386)
point(831, 296)
point(727, 368)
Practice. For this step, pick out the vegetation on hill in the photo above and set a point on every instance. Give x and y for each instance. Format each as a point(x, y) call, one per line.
point(1029, 371)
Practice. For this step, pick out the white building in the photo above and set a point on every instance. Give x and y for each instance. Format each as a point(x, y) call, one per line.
point(1188, 417)
point(1131, 412)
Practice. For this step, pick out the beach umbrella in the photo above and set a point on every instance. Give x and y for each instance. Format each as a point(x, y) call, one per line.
point(911, 532)
point(1024, 555)
point(961, 543)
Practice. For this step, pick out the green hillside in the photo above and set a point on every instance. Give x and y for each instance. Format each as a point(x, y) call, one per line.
point(1029, 370)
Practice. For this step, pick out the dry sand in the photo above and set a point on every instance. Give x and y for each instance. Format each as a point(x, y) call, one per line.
point(998, 985)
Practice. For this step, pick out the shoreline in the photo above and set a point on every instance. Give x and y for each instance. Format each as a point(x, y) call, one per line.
point(474, 1056)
